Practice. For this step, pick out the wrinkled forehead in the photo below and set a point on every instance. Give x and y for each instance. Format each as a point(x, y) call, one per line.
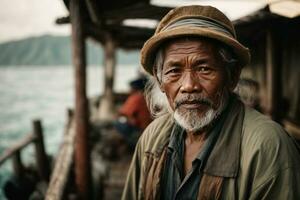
point(188, 45)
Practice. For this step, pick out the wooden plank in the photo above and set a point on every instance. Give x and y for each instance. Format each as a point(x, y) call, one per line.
point(17, 147)
point(62, 166)
point(82, 151)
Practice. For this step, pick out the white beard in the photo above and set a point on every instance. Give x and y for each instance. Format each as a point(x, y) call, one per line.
point(191, 121)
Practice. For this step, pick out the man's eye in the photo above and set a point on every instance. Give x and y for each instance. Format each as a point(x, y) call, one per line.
point(203, 69)
point(174, 70)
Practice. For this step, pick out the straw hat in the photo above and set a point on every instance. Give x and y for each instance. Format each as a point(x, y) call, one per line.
point(202, 21)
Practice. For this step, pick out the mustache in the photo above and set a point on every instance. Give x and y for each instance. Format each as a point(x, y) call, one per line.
point(193, 98)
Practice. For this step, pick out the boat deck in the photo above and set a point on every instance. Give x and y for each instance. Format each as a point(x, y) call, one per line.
point(111, 159)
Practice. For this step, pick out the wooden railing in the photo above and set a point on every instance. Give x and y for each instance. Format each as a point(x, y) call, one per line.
point(63, 163)
point(14, 152)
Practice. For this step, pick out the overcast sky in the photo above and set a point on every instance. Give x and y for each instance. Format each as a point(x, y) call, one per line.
point(24, 18)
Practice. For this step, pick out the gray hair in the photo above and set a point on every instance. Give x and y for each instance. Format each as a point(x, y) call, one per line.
point(157, 101)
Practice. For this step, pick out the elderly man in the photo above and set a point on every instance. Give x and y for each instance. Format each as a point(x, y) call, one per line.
point(206, 144)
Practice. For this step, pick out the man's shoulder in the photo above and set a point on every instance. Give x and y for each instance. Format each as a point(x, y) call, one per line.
point(259, 125)
point(267, 140)
point(157, 133)
point(267, 151)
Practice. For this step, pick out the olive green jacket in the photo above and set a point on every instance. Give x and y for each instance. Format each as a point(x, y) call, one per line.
point(259, 162)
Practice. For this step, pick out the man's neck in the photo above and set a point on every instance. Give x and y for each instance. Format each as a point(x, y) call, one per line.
point(193, 144)
point(195, 137)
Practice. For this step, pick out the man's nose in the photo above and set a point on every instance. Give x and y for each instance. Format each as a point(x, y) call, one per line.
point(189, 82)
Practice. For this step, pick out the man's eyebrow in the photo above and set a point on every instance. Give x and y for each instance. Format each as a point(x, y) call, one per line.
point(201, 60)
point(172, 62)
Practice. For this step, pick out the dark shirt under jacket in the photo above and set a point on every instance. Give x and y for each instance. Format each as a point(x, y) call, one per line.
point(174, 185)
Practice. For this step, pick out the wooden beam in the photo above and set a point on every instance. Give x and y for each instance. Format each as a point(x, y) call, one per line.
point(139, 10)
point(269, 72)
point(93, 11)
point(63, 20)
point(273, 73)
point(82, 150)
point(107, 107)
point(18, 146)
point(124, 37)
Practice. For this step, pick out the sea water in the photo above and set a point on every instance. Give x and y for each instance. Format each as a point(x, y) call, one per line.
point(44, 92)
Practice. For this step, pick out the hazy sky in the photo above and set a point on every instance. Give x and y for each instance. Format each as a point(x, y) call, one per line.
point(24, 18)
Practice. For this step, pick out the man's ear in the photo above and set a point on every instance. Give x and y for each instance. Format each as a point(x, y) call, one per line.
point(154, 72)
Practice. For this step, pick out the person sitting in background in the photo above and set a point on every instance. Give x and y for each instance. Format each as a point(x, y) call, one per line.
point(133, 116)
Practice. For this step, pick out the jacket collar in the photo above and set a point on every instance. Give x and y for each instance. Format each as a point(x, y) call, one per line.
point(225, 156)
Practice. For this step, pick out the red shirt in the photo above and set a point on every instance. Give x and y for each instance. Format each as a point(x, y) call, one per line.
point(136, 111)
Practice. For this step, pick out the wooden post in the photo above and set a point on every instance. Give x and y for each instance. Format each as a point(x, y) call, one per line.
point(70, 115)
point(101, 186)
point(273, 73)
point(107, 108)
point(269, 72)
point(41, 156)
point(17, 164)
point(81, 117)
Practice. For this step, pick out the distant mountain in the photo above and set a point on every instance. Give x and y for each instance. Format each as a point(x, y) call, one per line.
point(54, 50)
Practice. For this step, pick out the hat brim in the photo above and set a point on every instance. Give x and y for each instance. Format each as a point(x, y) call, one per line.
point(149, 49)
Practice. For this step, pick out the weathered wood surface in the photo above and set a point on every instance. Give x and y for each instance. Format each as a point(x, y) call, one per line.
point(14, 152)
point(18, 146)
point(273, 72)
point(42, 161)
point(107, 108)
point(82, 151)
point(93, 11)
point(103, 16)
point(113, 184)
point(18, 165)
point(63, 163)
